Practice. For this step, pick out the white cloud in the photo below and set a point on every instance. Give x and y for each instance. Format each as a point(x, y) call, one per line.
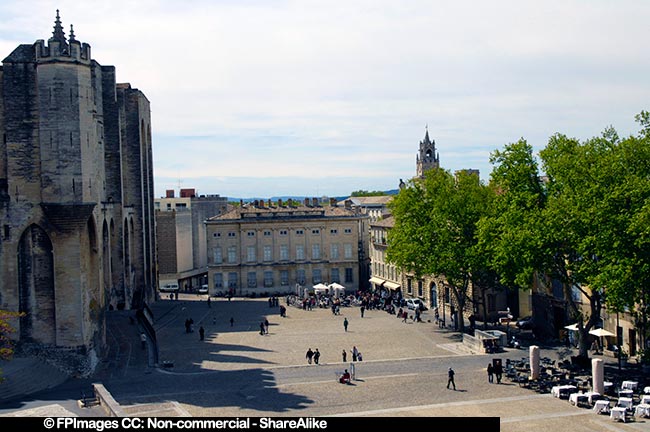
point(272, 89)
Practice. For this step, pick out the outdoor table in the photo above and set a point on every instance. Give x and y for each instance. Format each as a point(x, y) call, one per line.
point(601, 406)
point(625, 393)
point(562, 391)
point(617, 413)
point(629, 385)
point(645, 399)
point(625, 402)
point(577, 398)
point(642, 410)
point(593, 396)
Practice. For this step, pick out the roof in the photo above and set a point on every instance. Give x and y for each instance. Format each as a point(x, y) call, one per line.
point(22, 53)
point(387, 222)
point(251, 212)
point(370, 201)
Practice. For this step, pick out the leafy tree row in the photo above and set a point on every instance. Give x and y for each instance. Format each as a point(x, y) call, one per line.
point(585, 223)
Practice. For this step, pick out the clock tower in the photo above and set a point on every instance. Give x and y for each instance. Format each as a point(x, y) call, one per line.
point(427, 157)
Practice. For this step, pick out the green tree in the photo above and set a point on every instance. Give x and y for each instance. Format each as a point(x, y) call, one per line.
point(365, 193)
point(583, 226)
point(435, 226)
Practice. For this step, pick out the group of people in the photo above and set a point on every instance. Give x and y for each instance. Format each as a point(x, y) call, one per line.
point(264, 327)
point(315, 355)
point(495, 369)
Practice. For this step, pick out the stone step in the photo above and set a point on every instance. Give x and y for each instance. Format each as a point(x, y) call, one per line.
point(167, 409)
point(24, 376)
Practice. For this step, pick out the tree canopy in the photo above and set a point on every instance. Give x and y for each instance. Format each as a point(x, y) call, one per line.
point(435, 225)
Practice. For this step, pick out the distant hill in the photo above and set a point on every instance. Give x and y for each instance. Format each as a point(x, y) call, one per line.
point(300, 198)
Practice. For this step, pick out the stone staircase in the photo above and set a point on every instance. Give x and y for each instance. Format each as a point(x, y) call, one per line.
point(24, 376)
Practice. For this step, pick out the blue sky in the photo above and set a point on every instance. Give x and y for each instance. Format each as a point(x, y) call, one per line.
point(264, 98)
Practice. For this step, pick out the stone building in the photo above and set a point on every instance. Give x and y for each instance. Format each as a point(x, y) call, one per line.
point(76, 197)
point(374, 206)
point(427, 157)
point(272, 247)
point(182, 241)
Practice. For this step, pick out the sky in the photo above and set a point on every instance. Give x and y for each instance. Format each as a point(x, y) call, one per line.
point(262, 98)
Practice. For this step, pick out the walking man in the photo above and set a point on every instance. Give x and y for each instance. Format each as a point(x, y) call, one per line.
point(490, 372)
point(451, 378)
point(344, 355)
point(362, 311)
point(209, 301)
point(345, 324)
point(201, 333)
point(232, 321)
point(266, 325)
point(309, 355)
point(316, 356)
point(355, 353)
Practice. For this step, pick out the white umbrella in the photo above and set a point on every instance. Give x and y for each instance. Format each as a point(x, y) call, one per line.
point(572, 327)
point(320, 286)
point(601, 332)
point(336, 286)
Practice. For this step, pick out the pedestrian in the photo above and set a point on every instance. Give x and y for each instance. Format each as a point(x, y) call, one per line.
point(143, 340)
point(405, 315)
point(359, 356)
point(355, 353)
point(345, 324)
point(262, 332)
point(309, 355)
point(490, 372)
point(232, 321)
point(451, 374)
point(209, 305)
point(187, 325)
point(498, 371)
point(201, 333)
point(266, 325)
point(344, 354)
point(362, 310)
point(191, 321)
point(316, 356)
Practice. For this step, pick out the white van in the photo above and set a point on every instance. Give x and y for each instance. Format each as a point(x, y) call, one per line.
point(203, 289)
point(169, 287)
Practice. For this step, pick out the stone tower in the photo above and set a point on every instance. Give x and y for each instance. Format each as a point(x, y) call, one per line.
point(427, 156)
point(76, 198)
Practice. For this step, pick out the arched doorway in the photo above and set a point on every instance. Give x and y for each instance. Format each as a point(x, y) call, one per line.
point(433, 295)
point(36, 286)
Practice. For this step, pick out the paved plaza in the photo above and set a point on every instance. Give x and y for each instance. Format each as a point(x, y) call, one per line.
point(236, 371)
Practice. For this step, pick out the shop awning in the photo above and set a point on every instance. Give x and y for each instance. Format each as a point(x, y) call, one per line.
point(391, 285)
point(377, 281)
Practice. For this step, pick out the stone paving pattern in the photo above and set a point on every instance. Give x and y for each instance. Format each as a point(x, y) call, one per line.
point(238, 372)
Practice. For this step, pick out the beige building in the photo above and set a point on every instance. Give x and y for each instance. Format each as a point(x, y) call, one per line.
point(376, 207)
point(181, 233)
point(267, 247)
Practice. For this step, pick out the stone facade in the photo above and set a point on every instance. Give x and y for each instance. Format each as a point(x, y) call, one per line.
point(272, 247)
point(427, 157)
point(182, 240)
point(76, 198)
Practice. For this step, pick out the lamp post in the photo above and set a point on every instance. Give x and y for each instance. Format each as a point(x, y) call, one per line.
point(618, 342)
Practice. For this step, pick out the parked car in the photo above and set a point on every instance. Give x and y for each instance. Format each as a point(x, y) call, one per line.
point(169, 287)
point(203, 289)
point(526, 323)
point(415, 303)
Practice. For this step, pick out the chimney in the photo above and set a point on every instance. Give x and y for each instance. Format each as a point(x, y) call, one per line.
point(333, 202)
point(279, 202)
point(306, 202)
point(256, 203)
point(261, 203)
point(348, 204)
point(241, 203)
point(314, 202)
point(169, 193)
point(270, 202)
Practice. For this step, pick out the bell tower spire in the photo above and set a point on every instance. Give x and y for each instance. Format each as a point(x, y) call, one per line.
point(427, 157)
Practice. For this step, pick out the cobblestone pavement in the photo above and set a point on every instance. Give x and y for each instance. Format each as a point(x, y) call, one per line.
point(236, 371)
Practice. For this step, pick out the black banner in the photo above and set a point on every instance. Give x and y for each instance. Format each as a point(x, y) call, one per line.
point(150, 424)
